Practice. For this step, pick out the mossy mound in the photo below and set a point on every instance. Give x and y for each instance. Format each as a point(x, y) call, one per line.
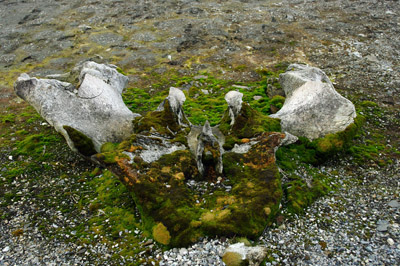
point(164, 122)
point(177, 213)
point(248, 123)
point(177, 203)
point(319, 150)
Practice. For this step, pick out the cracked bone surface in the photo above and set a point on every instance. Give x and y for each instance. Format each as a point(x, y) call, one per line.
point(95, 108)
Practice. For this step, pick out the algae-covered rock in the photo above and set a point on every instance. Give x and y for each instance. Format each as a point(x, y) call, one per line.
point(94, 108)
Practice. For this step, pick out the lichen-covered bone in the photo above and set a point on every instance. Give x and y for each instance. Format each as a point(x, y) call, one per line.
point(234, 100)
point(94, 109)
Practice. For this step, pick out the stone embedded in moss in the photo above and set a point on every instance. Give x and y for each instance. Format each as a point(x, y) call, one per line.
point(239, 254)
point(81, 142)
point(313, 108)
point(321, 149)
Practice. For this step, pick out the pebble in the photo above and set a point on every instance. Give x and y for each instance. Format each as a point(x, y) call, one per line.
point(382, 228)
point(390, 241)
point(394, 204)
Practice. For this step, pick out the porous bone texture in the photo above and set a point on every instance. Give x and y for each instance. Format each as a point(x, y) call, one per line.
point(313, 108)
point(95, 108)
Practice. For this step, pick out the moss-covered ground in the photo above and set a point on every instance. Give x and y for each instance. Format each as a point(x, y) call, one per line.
point(33, 153)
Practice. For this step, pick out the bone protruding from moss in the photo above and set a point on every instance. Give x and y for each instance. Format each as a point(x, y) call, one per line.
point(234, 100)
point(176, 98)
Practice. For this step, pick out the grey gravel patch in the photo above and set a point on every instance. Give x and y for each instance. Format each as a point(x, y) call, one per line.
point(106, 39)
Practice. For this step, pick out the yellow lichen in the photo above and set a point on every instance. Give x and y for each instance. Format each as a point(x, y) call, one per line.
point(195, 224)
point(232, 259)
point(179, 176)
point(208, 217)
point(166, 169)
point(161, 234)
point(223, 214)
point(267, 210)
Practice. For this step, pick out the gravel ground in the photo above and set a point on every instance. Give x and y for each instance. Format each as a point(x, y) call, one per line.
point(358, 224)
point(356, 43)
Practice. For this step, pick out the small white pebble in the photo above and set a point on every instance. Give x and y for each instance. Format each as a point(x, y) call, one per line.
point(390, 241)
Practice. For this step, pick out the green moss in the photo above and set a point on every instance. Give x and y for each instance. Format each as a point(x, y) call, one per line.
point(299, 194)
point(248, 123)
point(162, 196)
point(140, 101)
point(8, 118)
point(278, 101)
point(114, 220)
point(319, 150)
point(164, 122)
point(368, 104)
point(35, 145)
point(334, 143)
point(109, 147)
point(230, 142)
point(121, 71)
point(243, 240)
point(81, 142)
